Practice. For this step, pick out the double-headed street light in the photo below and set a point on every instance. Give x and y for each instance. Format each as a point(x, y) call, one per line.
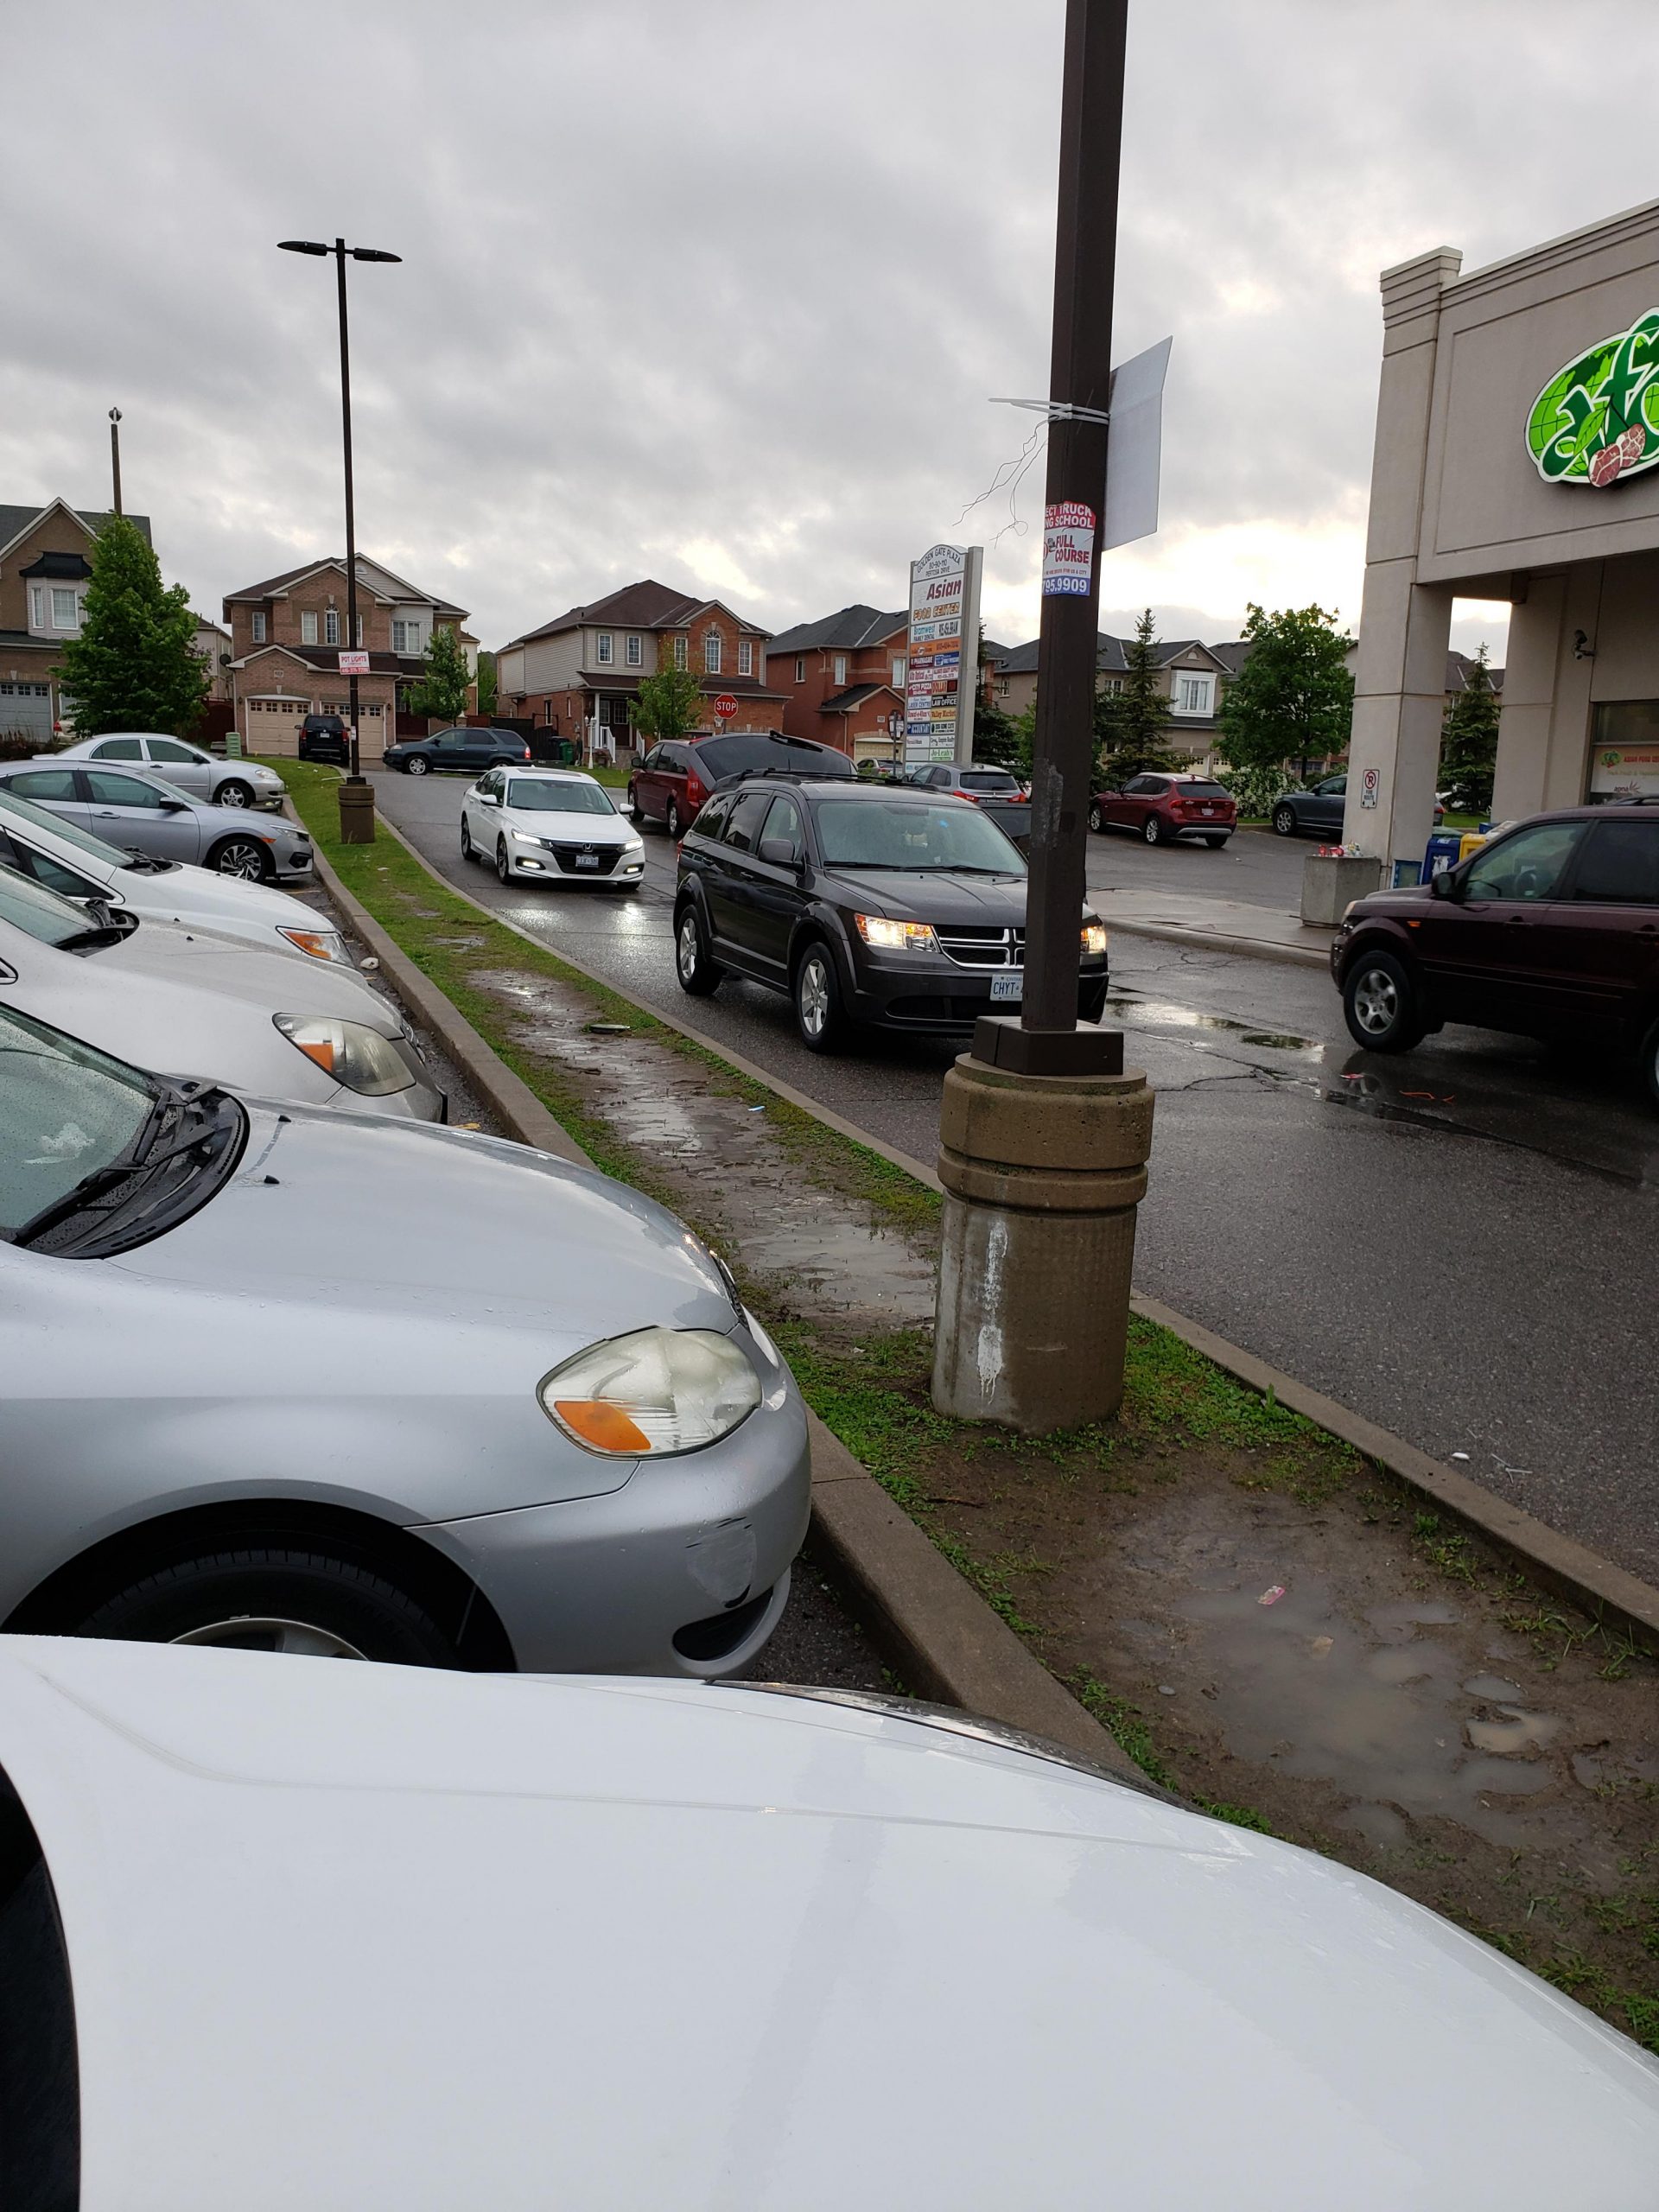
point(357, 822)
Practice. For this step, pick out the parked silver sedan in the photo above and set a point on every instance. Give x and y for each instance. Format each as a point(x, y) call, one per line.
point(138, 808)
point(297, 1380)
point(186, 767)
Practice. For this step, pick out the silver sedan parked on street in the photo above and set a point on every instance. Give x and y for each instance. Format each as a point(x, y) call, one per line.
point(296, 1379)
point(137, 807)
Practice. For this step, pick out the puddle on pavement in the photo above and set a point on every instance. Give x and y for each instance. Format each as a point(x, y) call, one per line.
point(1135, 1012)
point(829, 1255)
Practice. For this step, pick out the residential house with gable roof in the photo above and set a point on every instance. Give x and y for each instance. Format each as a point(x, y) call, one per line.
point(579, 673)
point(1192, 675)
point(286, 638)
point(44, 567)
point(843, 678)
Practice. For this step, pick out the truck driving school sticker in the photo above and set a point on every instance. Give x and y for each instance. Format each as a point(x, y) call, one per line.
point(1068, 549)
point(1597, 418)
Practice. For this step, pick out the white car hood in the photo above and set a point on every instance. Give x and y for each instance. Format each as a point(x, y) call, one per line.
point(203, 897)
point(569, 828)
point(371, 1939)
point(208, 960)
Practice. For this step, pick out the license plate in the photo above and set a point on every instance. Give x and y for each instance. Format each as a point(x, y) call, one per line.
point(586, 859)
point(1206, 810)
point(1007, 988)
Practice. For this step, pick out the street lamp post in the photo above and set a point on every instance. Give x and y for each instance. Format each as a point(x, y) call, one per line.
point(357, 815)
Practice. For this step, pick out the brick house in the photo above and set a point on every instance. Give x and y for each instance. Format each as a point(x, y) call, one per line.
point(578, 674)
point(286, 638)
point(842, 679)
point(44, 566)
point(1192, 675)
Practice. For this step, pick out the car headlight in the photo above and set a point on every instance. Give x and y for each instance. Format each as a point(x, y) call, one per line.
point(652, 1393)
point(895, 936)
point(357, 1057)
point(634, 845)
point(1094, 937)
point(523, 837)
point(321, 944)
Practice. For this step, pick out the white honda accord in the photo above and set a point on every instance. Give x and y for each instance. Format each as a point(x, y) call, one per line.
point(280, 1933)
point(549, 825)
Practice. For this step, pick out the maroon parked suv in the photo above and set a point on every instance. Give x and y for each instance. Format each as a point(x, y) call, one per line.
point(1157, 807)
point(1550, 931)
point(671, 784)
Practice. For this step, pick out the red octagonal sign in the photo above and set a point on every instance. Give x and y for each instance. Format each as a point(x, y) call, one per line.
point(725, 706)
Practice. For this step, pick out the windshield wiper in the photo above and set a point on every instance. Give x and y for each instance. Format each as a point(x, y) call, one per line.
point(146, 863)
point(206, 1114)
point(112, 926)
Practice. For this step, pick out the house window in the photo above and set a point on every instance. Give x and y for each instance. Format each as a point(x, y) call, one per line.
point(711, 653)
point(257, 628)
point(36, 607)
point(65, 609)
point(679, 652)
point(899, 671)
point(800, 669)
point(1193, 694)
point(607, 648)
point(358, 640)
point(746, 656)
point(840, 668)
point(633, 653)
point(309, 626)
point(331, 626)
point(1114, 686)
point(405, 637)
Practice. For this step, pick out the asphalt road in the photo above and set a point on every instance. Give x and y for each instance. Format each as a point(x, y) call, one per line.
point(1459, 1243)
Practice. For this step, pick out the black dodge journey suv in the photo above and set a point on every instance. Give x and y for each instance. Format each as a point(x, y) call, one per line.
point(865, 903)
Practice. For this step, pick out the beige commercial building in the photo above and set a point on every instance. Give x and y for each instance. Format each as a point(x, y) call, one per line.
point(1516, 458)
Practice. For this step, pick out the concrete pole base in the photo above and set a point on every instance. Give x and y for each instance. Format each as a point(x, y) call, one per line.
point(357, 811)
point(1042, 1175)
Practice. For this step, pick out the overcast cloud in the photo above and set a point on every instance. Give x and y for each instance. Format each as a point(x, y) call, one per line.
point(717, 291)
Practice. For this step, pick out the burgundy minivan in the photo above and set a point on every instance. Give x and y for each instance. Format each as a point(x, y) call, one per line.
point(1550, 931)
point(671, 784)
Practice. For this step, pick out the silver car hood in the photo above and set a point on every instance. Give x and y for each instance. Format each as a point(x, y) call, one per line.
point(350, 1936)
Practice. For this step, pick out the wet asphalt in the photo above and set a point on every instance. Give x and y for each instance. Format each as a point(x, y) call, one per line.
point(1459, 1243)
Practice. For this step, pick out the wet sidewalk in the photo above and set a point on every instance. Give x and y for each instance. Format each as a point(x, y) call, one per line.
point(1222, 925)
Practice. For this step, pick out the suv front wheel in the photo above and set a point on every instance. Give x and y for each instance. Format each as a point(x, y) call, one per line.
point(819, 1016)
point(699, 973)
point(1381, 1003)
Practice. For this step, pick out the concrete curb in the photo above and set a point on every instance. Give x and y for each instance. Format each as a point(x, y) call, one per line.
point(1300, 956)
point(1622, 1601)
point(943, 1638)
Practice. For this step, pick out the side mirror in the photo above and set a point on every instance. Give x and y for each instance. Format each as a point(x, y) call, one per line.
point(491, 798)
point(779, 852)
point(1444, 886)
point(175, 806)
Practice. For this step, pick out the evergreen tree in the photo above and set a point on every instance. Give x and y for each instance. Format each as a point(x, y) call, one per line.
point(1293, 698)
point(440, 692)
point(487, 694)
point(1468, 740)
point(134, 666)
point(1132, 725)
point(997, 741)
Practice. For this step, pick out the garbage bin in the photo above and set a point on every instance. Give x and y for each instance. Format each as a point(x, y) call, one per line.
point(1444, 850)
point(1472, 840)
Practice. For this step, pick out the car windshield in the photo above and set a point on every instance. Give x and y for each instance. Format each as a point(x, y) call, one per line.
point(540, 795)
point(41, 817)
point(66, 1109)
point(48, 916)
point(912, 835)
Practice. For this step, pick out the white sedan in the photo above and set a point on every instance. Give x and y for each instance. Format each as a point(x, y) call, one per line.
point(552, 825)
point(281, 1932)
point(76, 865)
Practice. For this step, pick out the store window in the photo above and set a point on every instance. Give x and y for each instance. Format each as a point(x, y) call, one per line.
point(1624, 751)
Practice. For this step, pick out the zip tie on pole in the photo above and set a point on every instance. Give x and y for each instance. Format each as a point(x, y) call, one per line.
point(1057, 410)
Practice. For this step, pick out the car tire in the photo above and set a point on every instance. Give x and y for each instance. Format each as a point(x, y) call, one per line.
point(820, 1020)
point(417, 765)
point(636, 812)
point(1215, 843)
point(672, 822)
point(1381, 1003)
point(698, 971)
point(468, 851)
point(1096, 819)
point(233, 792)
point(275, 1597)
point(244, 857)
point(503, 865)
point(1284, 822)
point(1153, 829)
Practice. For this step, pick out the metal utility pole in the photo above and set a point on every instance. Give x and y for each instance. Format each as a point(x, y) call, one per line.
point(1080, 374)
point(115, 454)
point(357, 818)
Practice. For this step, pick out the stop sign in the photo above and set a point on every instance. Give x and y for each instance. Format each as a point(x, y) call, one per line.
point(725, 706)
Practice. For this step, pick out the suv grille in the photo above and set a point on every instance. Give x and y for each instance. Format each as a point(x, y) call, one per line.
point(970, 946)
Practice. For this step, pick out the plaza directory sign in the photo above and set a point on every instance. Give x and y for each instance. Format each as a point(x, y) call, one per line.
point(942, 659)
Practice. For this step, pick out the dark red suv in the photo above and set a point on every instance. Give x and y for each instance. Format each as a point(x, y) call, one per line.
point(671, 784)
point(1550, 931)
point(1159, 807)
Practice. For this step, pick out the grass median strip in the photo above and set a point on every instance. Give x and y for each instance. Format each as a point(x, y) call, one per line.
point(1261, 1619)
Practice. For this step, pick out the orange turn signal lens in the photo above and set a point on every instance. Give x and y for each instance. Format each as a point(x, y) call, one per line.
point(606, 1426)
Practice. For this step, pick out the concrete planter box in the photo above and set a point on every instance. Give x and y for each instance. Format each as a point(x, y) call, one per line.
point(1328, 884)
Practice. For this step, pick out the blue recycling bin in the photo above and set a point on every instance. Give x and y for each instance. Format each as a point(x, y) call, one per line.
point(1441, 853)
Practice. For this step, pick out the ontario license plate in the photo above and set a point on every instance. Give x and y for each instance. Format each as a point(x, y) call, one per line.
point(1005, 988)
point(1206, 810)
point(586, 859)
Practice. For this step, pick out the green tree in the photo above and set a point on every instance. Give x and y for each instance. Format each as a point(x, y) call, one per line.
point(669, 704)
point(997, 740)
point(134, 664)
point(487, 695)
point(1293, 698)
point(1468, 740)
point(1132, 725)
point(439, 692)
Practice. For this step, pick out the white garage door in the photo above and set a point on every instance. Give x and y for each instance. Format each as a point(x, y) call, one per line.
point(273, 725)
point(26, 711)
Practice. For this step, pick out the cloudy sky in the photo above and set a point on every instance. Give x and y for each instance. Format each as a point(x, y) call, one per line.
point(717, 290)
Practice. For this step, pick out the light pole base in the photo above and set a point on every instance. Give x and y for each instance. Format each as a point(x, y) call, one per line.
point(1043, 1174)
point(357, 811)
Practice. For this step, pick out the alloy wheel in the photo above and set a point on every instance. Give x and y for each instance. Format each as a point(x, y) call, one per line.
point(241, 857)
point(233, 794)
point(260, 1632)
point(672, 822)
point(686, 946)
point(1376, 1002)
point(814, 994)
point(417, 764)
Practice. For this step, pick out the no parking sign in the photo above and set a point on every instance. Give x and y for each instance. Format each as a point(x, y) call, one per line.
point(1368, 786)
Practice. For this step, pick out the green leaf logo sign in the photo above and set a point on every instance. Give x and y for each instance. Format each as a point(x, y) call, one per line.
point(1597, 419)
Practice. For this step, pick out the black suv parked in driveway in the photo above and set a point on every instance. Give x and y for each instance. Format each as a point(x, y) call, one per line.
point(322, 737)
point(864, 902)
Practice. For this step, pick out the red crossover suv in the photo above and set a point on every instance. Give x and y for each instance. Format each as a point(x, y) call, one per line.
point(671, 784)
point(1161, 807)
point(1550, 931)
